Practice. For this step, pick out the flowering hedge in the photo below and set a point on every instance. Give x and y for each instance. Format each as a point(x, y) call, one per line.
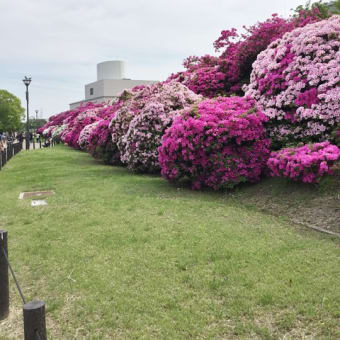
point(57, 131)
point(101, 145)
point(203, 75)
point(85, 115)
point(220, 143)
point(336, 136)
point(142, 119)
point(296, 82)
point(226, 74)
point(85, 133)
point(54, 121)
point(307, 163)
point(131, 102)
point(144, 137)
point(237, 57)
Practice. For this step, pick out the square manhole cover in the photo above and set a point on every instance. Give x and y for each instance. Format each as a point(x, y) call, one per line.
point(34, 194)
point(37, 203)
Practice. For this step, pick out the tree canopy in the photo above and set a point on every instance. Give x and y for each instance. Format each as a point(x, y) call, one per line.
point(37, 123)
point(11, 111)
point(326, 9)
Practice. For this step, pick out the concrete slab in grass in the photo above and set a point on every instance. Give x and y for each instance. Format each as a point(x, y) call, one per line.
point(33, 194)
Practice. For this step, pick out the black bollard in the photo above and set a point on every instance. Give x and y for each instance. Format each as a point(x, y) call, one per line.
point(4, 287)
point(34, 321)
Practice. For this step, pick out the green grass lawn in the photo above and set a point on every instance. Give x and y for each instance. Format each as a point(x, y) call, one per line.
point(122, 256)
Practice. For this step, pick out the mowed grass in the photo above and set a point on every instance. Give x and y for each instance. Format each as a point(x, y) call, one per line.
point(121, 256)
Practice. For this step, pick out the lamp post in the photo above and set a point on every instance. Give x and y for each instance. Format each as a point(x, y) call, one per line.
point(27, 81)
point(36, 114)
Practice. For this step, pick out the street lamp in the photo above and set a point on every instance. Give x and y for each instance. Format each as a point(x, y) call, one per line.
point(36, 114)
point(27, 81)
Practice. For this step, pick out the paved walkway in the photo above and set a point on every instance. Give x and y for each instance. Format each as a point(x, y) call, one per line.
point(37, 145)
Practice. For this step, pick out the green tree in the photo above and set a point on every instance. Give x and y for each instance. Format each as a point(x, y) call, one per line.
point(334, 7)
point(11, 111)
point(37, 123)
point(327, 8)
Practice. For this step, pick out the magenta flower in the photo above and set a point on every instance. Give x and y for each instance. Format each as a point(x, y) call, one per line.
point(219, 143)
point(307, 164)
point(296, 82)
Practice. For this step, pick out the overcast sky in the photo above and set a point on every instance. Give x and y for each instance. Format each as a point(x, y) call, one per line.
point(59, 42)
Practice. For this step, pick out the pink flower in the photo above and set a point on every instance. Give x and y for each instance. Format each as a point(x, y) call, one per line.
point(307, 163)
point(219, 143)
point(296, 82)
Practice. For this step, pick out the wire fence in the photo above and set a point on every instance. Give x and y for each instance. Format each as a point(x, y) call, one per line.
point(7, 153)
point(33, 312)
point(14, 147)
point(14, 277)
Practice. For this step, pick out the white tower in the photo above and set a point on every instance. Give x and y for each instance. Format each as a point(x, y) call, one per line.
point(113, 69)
point(110, 83)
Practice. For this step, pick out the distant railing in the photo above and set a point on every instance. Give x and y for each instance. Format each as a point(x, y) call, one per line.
point(11, 150)
point(41, 142)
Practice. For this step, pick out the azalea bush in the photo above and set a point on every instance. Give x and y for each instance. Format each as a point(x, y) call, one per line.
point(144, 137)
point(336, 135)
point(55, 121)
point(83, 140)
point(131, 102)
point(239, 51)
point(217, 143)
point(142, 119)
point(203, 75)
point(47, 132)
point(85, 115)
point(296, 82)
point(57, 131)
point(227, 73)
point(307, 163)
point(100, 143)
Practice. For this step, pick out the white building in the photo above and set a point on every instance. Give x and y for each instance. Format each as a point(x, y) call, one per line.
point(110, 82)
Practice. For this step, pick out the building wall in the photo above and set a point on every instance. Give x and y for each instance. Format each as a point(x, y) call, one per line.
point(113, 69)
point(110, 83)
point(98, 100)
point(111, 87)
point(107, 89)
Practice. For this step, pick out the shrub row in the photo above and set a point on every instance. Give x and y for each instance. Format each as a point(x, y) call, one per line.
point(293, 97)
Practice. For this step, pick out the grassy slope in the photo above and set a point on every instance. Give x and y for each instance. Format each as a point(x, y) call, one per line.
point(313, 205)
point(123, 256)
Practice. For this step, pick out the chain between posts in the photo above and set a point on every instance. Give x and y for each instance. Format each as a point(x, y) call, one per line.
point(14, 277)
point(38, 334)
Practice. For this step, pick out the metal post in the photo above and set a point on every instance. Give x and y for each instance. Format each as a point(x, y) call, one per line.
point(27, 122)
point(27, 81)
point(40, 142)
point(0, 159)
point(4, 286)
point(34, 321)
point(33, 142)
